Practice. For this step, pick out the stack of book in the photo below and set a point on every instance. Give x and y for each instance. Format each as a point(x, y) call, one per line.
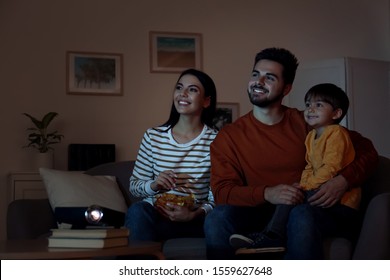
point(88, 238)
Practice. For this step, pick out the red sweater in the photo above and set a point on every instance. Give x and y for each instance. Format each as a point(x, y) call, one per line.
point(248, 156)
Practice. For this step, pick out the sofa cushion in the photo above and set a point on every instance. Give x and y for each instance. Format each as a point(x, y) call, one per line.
point(75, 189)
point(122, 170)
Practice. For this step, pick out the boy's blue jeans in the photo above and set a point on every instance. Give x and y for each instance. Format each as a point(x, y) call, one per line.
point(306, 228)
point(146, 223)
point(278, 223)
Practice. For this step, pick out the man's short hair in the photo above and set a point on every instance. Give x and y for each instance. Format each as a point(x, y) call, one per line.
point(282, 56)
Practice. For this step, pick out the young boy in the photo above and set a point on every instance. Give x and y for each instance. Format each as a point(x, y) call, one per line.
point(328, 150)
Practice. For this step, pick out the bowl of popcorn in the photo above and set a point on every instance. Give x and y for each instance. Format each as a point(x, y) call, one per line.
point(181, 200)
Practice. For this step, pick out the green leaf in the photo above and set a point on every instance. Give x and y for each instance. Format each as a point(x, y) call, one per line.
point(36, 122)
point(39, 138)
point(48, 118)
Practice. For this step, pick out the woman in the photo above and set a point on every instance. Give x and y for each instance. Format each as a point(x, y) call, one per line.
point(174, 159)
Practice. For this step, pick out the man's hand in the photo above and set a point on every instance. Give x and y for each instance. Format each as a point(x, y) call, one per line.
point(284, 194)
point(330, 192)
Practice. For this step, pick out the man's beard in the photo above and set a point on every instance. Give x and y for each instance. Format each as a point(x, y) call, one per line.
point(265, 102)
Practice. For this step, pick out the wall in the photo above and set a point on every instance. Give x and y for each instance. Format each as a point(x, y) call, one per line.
point(36, 34)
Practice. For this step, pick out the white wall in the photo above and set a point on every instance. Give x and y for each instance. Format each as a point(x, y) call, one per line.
point(34, 36)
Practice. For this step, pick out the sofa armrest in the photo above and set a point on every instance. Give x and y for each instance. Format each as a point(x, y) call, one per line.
point(29, 219)
point(374, 239)
point(338, 248)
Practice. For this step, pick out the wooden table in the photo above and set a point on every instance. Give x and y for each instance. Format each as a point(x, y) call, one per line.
point(38, 249)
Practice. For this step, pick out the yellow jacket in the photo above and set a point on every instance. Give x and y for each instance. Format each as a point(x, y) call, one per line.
point(326, 156)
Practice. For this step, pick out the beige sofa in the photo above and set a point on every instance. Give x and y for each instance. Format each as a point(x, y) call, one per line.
point(28, 219)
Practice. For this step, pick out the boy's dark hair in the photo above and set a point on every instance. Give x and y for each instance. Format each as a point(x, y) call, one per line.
point(209, 90)
point(332, 95)
point(284, 57)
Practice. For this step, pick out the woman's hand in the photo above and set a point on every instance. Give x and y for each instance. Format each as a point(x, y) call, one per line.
point(165, 181)
point(178, 213)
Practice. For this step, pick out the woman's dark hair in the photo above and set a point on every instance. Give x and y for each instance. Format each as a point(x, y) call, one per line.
point(209, 91)
point(282, 56)
point(332, 95)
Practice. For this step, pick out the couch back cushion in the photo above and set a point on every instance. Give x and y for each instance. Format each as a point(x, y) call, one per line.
point(122, 170)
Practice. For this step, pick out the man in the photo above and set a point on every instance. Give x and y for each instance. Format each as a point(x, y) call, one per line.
point(258, 160)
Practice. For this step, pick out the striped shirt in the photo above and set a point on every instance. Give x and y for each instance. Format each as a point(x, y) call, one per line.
point(190, 161)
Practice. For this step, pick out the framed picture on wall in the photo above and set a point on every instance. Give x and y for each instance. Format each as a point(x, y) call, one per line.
point(90, 73)
point(226, 113)
point(174, 52)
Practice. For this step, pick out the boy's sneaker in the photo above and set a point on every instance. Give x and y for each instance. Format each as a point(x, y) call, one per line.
point(263, 244)
point(238, 241)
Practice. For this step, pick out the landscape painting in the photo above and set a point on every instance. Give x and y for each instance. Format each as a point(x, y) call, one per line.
point(94, 73)
point(175, 52)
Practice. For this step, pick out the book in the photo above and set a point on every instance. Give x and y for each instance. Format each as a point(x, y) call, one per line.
point(87, 242)
point(90, 233)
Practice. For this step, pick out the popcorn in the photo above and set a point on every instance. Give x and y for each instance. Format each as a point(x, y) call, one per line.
point(181, 200)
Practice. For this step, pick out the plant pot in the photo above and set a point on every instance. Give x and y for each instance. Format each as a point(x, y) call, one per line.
point(45, 160)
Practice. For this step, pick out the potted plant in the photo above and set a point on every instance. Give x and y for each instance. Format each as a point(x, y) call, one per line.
point(41, 139)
